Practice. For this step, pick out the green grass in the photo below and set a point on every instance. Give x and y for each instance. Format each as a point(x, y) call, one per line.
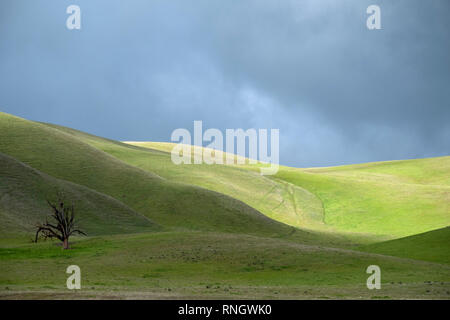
point(429, 246)
point(198, 264)
point(167, 203)
point(159, 230)
point(23, 203)
point(276, 199)
point(384, 200)
point(357, 201)
point(376, 201)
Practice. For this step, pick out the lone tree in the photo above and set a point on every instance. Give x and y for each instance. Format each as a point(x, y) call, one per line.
point(64, 224)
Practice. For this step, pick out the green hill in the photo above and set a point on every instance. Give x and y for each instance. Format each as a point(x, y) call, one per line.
point(22, 204)
point(429, 246)
point(276, 199)
point(167, 203)
point(366, 202)
point(356, 199)
point(159, 230)
point(391, 205)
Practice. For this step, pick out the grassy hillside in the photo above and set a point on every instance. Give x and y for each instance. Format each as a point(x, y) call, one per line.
point(200, 231)
point(167, 203)
point(276, 199)
point(24, 191)
point(342, 199)
point(430, 246)
point(372, 201)
point(429, 171)
point(389, 205)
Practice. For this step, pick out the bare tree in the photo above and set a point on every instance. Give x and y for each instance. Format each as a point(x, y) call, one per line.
point(64, 224)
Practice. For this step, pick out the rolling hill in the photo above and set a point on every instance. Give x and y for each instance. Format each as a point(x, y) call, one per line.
point(24, 191)
point(347, 200)
point(167, 203)
point(381, 199)
point(160, 230)
point(276, 199)
point(429, 246)
point(383, 202)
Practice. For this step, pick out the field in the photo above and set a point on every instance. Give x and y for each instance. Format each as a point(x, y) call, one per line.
point(157, 230)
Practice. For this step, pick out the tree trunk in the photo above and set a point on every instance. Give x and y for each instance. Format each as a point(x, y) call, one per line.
point(66, 243)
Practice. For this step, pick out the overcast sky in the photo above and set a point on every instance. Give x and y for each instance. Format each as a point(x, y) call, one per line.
point(137, 70)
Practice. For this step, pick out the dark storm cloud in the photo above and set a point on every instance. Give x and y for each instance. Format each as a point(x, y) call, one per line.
point(137, 70)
